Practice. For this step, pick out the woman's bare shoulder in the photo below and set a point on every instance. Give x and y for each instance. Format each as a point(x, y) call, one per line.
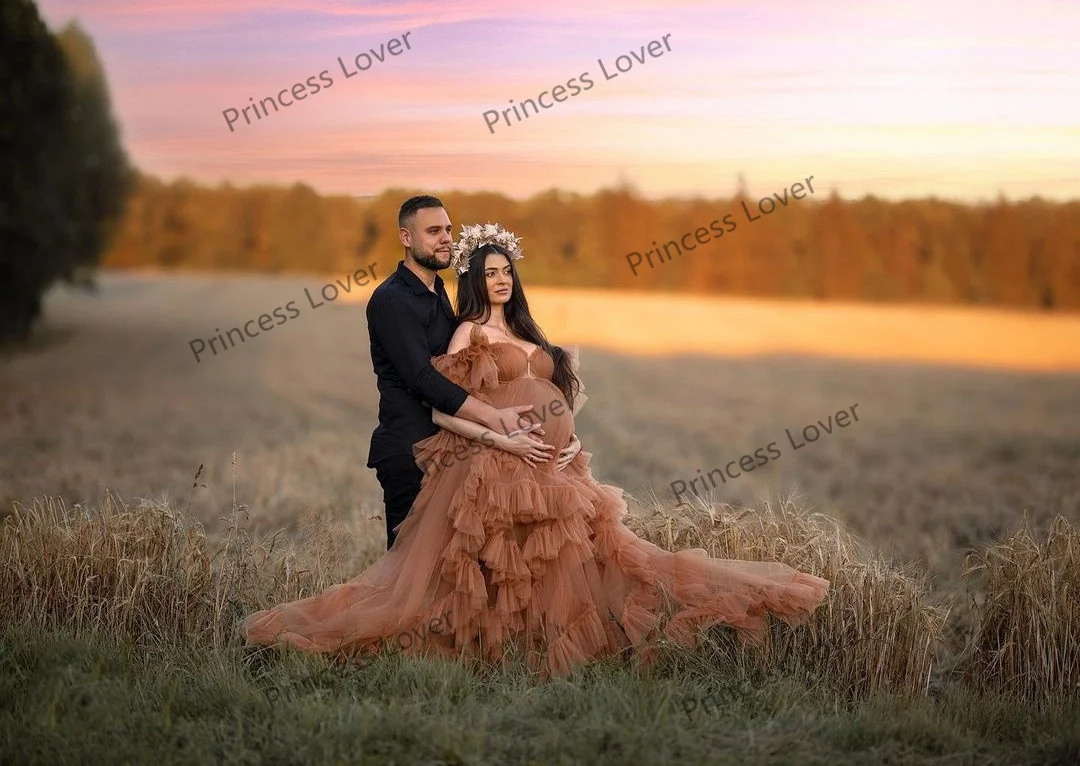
point(463, 336)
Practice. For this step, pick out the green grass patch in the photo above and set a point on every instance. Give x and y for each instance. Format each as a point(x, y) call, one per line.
point(66, 700)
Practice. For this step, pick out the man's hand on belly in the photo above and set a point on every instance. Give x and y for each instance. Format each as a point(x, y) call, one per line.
point(525, 443)
point(510, 418)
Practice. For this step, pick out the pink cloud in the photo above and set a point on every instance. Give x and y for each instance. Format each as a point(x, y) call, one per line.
point(887, 98)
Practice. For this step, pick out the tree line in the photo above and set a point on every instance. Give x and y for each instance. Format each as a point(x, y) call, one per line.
point(1018, 254)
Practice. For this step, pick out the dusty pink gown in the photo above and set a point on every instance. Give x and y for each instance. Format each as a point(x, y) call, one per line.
point(497, 553)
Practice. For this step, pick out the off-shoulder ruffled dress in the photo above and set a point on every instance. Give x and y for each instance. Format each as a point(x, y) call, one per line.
point(497, 554)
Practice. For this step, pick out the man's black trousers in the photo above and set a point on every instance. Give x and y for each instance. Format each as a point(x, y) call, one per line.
point(400, 478)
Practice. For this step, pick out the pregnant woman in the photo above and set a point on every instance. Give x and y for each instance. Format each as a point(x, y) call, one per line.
point(509, 550)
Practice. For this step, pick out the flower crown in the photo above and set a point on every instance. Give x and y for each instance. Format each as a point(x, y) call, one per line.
point(476, 236)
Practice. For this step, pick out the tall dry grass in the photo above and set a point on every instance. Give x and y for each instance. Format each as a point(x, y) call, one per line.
point(1026, 641)
point(875, 632)
point(149, 577)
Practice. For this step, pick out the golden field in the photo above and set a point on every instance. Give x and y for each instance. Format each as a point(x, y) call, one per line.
point(673, 323)
point(967, 417)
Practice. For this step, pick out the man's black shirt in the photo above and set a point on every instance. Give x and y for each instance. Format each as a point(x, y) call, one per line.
point(408, 324)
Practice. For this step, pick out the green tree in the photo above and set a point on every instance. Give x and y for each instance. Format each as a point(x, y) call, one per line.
point(64, 175)
point(35, 99)
point(101, 178)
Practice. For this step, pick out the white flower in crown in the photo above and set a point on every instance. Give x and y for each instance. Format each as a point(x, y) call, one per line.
point(478, 235)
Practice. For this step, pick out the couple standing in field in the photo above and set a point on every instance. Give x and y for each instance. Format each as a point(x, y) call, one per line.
point(512, 535)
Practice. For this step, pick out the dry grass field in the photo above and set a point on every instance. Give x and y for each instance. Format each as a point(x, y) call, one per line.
point(968, 421)
point(943, 456)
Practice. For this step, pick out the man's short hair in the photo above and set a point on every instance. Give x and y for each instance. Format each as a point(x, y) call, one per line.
point(412, 204)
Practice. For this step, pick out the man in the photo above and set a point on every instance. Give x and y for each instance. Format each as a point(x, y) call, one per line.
point(410, 320)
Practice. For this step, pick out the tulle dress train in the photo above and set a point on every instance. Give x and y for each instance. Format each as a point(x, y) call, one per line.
point(496, 554)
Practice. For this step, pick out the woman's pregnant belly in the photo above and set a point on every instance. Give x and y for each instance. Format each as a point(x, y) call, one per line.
point(548, 408)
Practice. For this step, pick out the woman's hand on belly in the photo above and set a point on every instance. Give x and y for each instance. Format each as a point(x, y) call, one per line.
point(569, 453)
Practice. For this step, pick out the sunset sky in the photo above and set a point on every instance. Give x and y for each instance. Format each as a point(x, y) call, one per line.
point(962, 99)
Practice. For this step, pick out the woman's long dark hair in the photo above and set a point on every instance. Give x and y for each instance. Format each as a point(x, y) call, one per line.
point(473, 306)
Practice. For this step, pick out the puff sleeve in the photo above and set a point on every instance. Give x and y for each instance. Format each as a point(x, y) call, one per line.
point(473, 367)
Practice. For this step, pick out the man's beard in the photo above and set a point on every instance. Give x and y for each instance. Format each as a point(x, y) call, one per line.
point(429, 261)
